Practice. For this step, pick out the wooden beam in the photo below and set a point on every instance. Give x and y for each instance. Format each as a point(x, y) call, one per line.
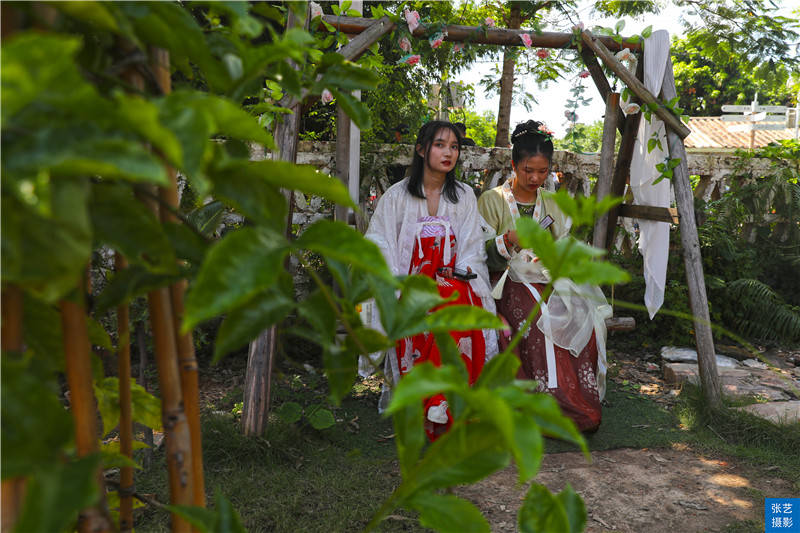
point(622, 170)
point(479, 35)
point(698, 300)
point(366, 38)
point(620, 323)
point(600, 81)
point(606, 166)
point(649, 212)
point(672, 122)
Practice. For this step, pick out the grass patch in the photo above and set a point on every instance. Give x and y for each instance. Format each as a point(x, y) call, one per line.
point(630, 420)
point(295, 478)
point(741, 435)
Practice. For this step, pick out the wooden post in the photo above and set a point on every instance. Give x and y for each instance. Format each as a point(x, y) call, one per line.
point(261, 352)
point(622, 171)
point(342, 157)
point(600, 81)
point(634, 84)
point(706, 355)
point(187, 362)
point(601, 227)
point(125, 408)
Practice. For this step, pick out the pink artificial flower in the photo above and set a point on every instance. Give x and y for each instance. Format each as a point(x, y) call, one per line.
point(526, 39)
point(490, 22)
point(412, 19)
point(630, 108)
point(584, 74)
point(578, 27)
point(316, 10)
point(411, 60)
point(542, 53)
point(544, 129)
point(405, 44)
point(458, 47)
point(436, 43)
point(326, 97)
point(571, 116)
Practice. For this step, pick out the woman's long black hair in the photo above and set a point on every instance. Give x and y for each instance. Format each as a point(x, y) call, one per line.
point(425, 139)
point(528, 140)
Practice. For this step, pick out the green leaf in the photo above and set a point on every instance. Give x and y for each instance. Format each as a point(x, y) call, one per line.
point(222, 519)
point(192, 126)
point(207, 218)
point(447, 513)
point(47, 255)
point(146, 408)
point(30, 442)
point(98, 335)
point(527, 446)
point(142, 117)
point(541, 512)
point(355, 109)
point(245, 323)
point(341, 369)
point(114, 458)
point(422, 381)
point(500, 371)
point(409, 435)
point(227, 117)
point(290, 412)
point(449, 353)
point(647, 31)
point(347, 76)
point(129, 283)
point(456, 318)
point(619, 26)
point(341, 242)
point(186, 243)
point(303, 178)
point(574, 507)
point(259, 201)
point(465, 454)
point(245, 262)
point(121, 221)
point(321, 418)
point(56, 494)
point(94, 13)
point(43, 335)
point(418, 295)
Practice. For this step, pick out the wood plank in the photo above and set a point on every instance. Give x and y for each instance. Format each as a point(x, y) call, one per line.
point(638, 88)
point(606, 167)
point(620, 323)
point(478, 35)
point(698, 300)
point(649, 212)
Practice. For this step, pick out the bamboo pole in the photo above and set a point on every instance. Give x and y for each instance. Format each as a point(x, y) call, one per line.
point(11, 339)
point(601, 227)
point(634, 84)
point(126, 487)
point(77, 352)
point(177, 435)
point(187, 361)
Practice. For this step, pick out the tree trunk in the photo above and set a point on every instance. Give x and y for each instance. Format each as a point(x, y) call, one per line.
point(507, 84)
point(257, 383)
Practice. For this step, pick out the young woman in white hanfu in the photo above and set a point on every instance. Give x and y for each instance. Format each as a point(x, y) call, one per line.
point(428, 224)
point(564, 349)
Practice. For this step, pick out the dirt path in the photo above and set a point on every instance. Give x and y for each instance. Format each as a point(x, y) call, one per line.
point(637, 491)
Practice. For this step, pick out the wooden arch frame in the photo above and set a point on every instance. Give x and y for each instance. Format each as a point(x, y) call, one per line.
point(611, 179)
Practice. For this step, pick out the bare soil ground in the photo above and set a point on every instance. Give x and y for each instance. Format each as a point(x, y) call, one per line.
point(638, 491)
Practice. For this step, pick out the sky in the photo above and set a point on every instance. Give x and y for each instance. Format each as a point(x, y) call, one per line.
point(552, 100)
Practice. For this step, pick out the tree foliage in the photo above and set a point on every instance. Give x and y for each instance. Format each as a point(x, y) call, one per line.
point(82, 148)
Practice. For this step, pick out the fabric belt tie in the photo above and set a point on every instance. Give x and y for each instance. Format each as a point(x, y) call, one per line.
point(446, 225)
point(550, 352)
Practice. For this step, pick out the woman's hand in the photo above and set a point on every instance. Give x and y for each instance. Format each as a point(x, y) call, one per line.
point(511, 237)
point(445, 272)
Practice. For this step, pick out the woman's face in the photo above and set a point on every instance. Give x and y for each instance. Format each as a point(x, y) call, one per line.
point(532, 172)
point(443, 153)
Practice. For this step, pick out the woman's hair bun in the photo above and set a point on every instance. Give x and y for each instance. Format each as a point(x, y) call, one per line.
point(524, 129)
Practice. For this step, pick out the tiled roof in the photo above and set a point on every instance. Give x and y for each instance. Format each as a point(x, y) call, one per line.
point(713, 133)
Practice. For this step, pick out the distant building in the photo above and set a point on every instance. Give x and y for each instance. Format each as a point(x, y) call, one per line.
point(711, 134)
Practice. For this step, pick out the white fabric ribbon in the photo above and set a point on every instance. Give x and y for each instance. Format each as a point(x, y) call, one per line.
point(653, 236)
point(550, 351)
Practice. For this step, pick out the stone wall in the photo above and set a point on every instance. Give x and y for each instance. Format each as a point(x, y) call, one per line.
point(485, 167)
